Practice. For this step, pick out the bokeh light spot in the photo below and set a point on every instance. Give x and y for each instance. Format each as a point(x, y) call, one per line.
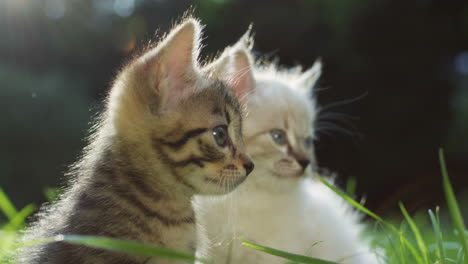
point(461, 62)
point(124, 8)
point(54, 9)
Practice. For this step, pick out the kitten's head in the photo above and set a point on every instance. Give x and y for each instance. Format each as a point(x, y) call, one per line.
point(279, 126)
point(180, 119)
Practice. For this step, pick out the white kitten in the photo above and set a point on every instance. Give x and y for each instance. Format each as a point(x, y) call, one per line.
point(279, 205)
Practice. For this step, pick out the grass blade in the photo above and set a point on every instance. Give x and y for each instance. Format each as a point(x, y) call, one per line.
point(402, 243)
point(351, 186)
point(412, 249)
point(129, 247)
point(416, 232)
point(460, 255)
point(6, 206)
point(436, 225)
point(52, 193)
point(18, 220)
point(349, 199)
point(9, 233)
point(457, 218)
point(289, 256)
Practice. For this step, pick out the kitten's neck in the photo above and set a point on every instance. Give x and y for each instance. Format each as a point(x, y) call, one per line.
point(284, 187)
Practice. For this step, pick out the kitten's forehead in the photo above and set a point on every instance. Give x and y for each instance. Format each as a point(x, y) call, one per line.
point(217, 95)
point(213, 99)
point(285, 96)
point(277, 104)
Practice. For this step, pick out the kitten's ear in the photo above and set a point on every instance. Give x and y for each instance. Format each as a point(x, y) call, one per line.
point(309, 78)
point(172, 66)
point(235, 66)
point(247, 40)
point(242, 80)
point(220, 67)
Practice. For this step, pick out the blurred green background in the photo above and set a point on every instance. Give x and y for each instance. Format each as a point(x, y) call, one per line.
point(403, 65)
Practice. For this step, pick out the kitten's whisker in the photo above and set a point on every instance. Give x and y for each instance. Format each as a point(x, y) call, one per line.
point(233, 210)
point(333, 128)
point(337, 116)
point(337, 122)
point(324, 132)
point(346, 126)
point(343, 102)
point(321, 89)
point(236, 76)
point(322, 124)
point(345, 123)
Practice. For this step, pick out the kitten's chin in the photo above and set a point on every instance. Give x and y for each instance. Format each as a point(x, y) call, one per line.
point(221, 185)
point(272, 182)
point(293, 176)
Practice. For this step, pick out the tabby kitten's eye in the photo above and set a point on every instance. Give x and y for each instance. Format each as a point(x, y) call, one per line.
point(220, 135)
point(278, 136)
point(309, 142)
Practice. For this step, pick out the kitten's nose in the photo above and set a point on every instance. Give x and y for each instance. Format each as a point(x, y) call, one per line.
point(248, 166)
point(304, 163)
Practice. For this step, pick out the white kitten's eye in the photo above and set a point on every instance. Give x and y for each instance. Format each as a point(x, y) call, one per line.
point(279, 136)
point(309, 142)
point(220, 135)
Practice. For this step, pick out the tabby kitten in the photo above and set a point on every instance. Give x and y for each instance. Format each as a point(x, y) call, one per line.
point(170, 130)
point(280, 205)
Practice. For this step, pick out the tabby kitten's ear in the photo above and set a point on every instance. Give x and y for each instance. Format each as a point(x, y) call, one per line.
point(172, 66)
point(309, 78)
point(235, 66)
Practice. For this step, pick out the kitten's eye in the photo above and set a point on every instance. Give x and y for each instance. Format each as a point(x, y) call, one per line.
point(220, 135)
point(278, 136)
point(309, 142)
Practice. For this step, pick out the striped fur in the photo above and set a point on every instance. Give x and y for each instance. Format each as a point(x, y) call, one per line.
point(152, 150)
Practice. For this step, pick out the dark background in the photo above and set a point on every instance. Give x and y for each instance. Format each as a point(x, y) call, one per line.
point(401, 65)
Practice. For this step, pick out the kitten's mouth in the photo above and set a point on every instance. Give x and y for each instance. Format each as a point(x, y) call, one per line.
point(230, 182)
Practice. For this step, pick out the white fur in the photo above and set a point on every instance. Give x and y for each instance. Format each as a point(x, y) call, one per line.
point(286, 212)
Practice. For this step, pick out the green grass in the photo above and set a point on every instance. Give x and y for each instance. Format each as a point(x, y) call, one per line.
point(129, 247)
point(422, 238)
point(9, 230)
point(294, 258)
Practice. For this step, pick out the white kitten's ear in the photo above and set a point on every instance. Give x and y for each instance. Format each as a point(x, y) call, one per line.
point(242, 80)
point(247, 40)
point(221, 66)
point(309, 78)
point(235, 66)
point(172, 66)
